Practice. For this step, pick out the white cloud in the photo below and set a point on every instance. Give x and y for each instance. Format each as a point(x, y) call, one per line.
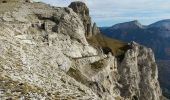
point(110, 10)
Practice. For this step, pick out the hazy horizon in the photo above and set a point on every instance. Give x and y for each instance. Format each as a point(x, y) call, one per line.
point(110, 12)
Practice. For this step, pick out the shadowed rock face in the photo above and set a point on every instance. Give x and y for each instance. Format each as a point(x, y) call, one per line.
point(44, 54)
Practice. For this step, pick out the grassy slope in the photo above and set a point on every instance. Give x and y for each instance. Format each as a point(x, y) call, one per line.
point(118, 47)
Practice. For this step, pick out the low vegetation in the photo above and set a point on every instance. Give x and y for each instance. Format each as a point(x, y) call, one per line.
point(13, 90)
point(116, 47)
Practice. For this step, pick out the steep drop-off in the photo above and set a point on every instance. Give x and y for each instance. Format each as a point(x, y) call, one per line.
point(44, 54)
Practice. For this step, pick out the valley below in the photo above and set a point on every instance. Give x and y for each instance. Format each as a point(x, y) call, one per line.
point(164, 76)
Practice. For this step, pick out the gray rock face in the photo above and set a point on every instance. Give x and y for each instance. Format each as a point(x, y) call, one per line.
point(139, 74)
point(100, 75)
point(95, 30)
point(135, 78)
point(44, 55)
point(83, 11)
point(38, 45)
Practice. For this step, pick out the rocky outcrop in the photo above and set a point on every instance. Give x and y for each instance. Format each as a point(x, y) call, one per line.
point(44, 54)
point(95, 30)
point(38, 45)
point(83, 11)
point(134, 78)
point(139, 74)
point(101, 76)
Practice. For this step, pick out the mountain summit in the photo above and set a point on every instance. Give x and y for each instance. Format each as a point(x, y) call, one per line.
point(128, 25)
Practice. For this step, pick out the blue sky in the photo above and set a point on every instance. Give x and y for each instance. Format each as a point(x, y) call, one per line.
point(110, 12)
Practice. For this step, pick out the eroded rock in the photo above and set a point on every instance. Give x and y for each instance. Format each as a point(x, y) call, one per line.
point(139, 74)
point(82, 10)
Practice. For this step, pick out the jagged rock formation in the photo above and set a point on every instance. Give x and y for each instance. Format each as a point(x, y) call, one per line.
point(44, 54)
point(38, 45)
point(139, 74)
point(83, 11)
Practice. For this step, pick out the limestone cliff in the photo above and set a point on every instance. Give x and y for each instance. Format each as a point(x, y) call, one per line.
point(44, 55)
point(139, 74)
point(83, 11)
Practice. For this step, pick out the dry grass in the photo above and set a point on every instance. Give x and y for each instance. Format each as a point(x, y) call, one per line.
point(117, 47)
point(118, 98)
point(14, 89)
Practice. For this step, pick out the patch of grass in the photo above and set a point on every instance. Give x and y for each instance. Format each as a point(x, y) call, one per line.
point(77, 75)
point(118, 98)
point(118, 48)
point(15, 86)
point(13, 90)
point(98, 65)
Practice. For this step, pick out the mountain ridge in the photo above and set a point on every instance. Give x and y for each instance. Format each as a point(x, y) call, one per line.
point(155, 36)
point(159, 24)
point(132, 24)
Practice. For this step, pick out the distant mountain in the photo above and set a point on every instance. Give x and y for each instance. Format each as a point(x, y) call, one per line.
point(128, 25)
point(155, 36)
point(161, 24)
point(162, 28)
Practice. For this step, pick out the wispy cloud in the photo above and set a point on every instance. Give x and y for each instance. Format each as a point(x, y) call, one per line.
point(109, 12)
